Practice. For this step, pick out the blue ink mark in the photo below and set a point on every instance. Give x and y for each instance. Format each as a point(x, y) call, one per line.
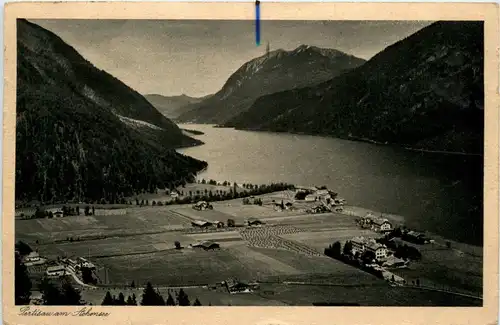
point(257, 22)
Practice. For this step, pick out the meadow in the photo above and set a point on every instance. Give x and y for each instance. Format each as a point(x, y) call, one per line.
point(139, 246)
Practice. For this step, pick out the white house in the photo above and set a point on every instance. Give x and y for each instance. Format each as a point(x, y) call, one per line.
point(379, 250)
point(55, 271)
point(358, 245)
point(56, 212)
point(310, 198)
point(362, 244)
point(32, 257)
point(381, 225)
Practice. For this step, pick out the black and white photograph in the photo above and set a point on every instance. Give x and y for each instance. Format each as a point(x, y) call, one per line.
point(191, 162)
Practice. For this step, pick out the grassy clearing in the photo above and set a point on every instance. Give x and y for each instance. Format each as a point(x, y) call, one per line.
point(451, 269)
point(185, 267)
point(137, 220)
point(310, 264)
point(212, 215)
point(227, 235)
point(114, 246)
point(382, 295)
point(240, 212)
point(206, 297)
point(319, 240)
point(259, 264)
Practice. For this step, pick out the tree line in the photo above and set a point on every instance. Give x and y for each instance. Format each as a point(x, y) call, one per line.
point(151, 297)
point(66, 211)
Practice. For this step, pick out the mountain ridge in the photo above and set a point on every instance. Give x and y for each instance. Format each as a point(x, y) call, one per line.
point(81, 134)
point(172, 106)
point(275, 71)
point(424, 91)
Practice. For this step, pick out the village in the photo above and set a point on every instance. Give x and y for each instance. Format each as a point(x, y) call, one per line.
point(252, 244)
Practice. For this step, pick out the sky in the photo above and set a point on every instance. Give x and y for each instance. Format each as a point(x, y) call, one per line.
point(196, 57)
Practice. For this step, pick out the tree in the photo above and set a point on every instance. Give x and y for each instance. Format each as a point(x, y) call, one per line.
point(130, 301)
point(347, 248)
point(121, 300)
point(22, 283)
point(23, 248)
point(368, 257)
point(87, 276)
point(197, 302)
point(151, 297)
point(170, 300)
point(134, 299)
point(336, 248)
point(72, 296)
point(177, 245)
point(108, 300)
point(183, 298)
point(132, 285)
point(50, 294)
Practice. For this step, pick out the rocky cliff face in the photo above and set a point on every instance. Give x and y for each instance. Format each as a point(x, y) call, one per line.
point(276, 71)
point(83, 134)
point(425, 91)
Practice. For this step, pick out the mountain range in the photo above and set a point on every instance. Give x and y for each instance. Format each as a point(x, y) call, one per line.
point(172, 106)
point(273, 72)
point(425, 91)
point(82, 134)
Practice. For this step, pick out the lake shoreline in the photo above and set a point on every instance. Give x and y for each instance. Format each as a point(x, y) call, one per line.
point(353, 138)
point(432, 182)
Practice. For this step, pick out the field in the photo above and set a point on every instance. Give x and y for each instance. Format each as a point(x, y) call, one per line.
point(137, 220)
point(205, 296)
point(449, 269)
point(139, 246)
point(369, 295)
point(175, 267)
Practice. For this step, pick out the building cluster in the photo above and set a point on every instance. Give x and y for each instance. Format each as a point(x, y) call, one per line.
point(236, 286)
point(202, 205)
point(77, 264)
point(34, 258)
point(415, 237)
point(206, 245)
point(361, 245)
point(375, 223)
point(205, 224)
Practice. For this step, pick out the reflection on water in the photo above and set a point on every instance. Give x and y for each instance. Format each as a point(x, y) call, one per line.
point(439, 193)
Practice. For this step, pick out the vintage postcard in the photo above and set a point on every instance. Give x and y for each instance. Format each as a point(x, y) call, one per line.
point(247, 158)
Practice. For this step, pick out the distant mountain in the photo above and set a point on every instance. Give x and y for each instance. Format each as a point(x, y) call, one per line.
point(276, 71)
point(425, 91)
point(172, 106)
point(83, 134)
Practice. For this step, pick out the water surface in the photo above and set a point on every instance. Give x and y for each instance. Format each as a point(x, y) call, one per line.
point(435, 192)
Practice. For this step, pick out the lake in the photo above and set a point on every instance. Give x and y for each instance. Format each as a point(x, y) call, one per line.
point(439, 193)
